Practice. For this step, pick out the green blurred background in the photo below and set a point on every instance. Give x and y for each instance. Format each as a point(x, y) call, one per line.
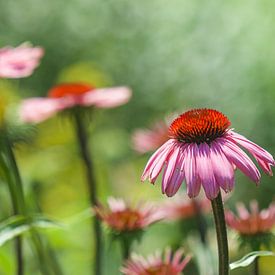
point(175, 55)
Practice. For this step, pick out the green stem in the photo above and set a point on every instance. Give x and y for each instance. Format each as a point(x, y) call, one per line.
point(217, 206)
point(82, 137)
point(17, 205)
point(17, 193)
point(256, 266)
point(125, 248)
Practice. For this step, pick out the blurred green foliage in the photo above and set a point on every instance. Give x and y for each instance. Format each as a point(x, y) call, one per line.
point(175, 55)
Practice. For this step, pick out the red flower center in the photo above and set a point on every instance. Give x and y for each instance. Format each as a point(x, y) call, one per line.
point(160, 269)
point(199, 125)
point(69, 89)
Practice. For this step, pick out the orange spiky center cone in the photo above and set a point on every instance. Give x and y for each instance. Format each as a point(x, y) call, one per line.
point(199, 125)
point(69, 89)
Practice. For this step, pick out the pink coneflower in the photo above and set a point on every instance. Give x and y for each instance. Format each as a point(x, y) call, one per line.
point(65, 96)
point(202, 150)
point(147, 140)
point(253, 222)
point(156, 264)
point(20, 61)
point(122, 217)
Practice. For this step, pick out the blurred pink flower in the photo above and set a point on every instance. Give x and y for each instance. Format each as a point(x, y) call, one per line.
point(146, 140)
point(121, 217)
point(20, 61)
point(182, 209)
point(202, 150)
point(69, 95)
point(253, 222)
point(156, 264)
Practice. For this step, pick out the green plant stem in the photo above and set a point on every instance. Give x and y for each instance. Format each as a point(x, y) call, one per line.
point(17, 194)
point(218, 211)
point(18, 208)
point(125, 248)
point(82, 137)
point(256, 266)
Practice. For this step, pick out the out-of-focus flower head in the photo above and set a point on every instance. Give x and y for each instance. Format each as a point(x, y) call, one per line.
point(180, 208)
point(156, 264)
point(121, 217)
point(20, 61)
point(204, 151)
point(254, 226)
point(70, 95)
point(147, 140)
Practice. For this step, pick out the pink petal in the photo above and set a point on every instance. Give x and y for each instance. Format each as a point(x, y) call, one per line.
point(169, 169)
point(107, 98)
point(205, 171)
point(237, 156)
point(223, 169)
point(35, 110)
point(192, 182)
point(158, 158)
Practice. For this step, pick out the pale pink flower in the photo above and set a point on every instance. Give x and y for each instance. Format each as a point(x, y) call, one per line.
point(156, 264)
point(20, 61)
point(203, 151)
point(120, 216)
point(146, 140)
point(253, 222)
point(65, 96)
point(185, 208)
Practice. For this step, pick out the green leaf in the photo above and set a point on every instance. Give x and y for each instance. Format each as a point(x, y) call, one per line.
point(249, 258)
point(17, 225)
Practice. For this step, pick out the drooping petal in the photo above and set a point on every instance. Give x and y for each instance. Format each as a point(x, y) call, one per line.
point(237, 156)
point(178, 176)
point(107, 98)
point(170, 168)
point(157, 160)
point(192, 181)
point(223, 169)
point(264, 159)
point(205, 171)
point(39, 109)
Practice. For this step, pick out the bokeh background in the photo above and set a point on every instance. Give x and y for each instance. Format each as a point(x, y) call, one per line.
point(175, 55)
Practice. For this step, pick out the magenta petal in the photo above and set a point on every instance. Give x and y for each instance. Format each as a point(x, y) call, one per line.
point(192, 181)
point(39, 109)
point(107, 98)
point(205, 171)
point(237, 156)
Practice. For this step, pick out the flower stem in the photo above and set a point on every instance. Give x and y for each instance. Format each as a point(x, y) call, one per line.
point(256, 266)
point(217, 206)
point(82, 136)
point(125, 248)
point(17, 204)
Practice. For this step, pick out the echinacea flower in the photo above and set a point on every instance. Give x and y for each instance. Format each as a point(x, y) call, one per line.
point(147, 140)
point(203, 151)
point(122, 217)
point(156, 264)
point(20, 61)
point(251, 222)
point(69, 95)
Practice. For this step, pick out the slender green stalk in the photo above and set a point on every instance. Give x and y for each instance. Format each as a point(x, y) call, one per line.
point(256, 266)
point(125, 248)
point(17, 193)
point(218, 211)
point(18, 208)
point(82, 137)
